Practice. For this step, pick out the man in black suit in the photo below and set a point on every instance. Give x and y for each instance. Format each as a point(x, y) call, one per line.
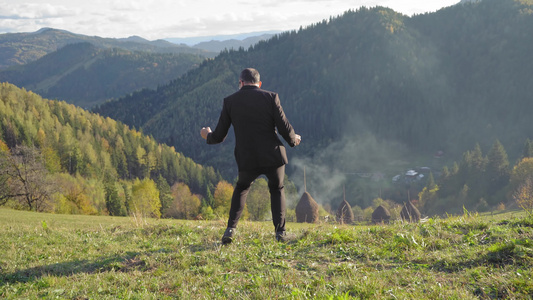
point(255, 114)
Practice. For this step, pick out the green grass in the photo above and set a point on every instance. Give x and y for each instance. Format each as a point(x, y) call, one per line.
point(89, 257)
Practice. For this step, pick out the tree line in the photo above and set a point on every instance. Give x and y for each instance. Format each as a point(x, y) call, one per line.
point(58, 158)
point(481, 182)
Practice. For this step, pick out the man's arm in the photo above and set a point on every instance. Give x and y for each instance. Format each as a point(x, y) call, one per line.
point(221, 131)
point(284, 127)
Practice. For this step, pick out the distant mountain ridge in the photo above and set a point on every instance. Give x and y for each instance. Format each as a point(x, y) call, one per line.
point(22, 48)
point(192, 41)
point(217, 46)
point(87, 71)
point(86, 75)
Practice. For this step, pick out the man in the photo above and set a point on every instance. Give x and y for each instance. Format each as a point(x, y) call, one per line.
point(255, 114)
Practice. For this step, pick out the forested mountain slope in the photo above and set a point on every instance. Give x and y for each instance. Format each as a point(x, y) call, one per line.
point(440, 81)
point(25, 47)
point(86, 75)
point(89, 155)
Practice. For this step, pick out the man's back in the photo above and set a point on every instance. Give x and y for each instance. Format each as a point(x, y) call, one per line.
point(255, 114)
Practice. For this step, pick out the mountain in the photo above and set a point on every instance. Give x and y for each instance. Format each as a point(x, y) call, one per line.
point(191, 41)
point(217, 46)
point(367, 90)
point(22, 48)
point(86, 75)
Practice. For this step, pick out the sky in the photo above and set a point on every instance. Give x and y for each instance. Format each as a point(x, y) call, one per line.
point(159, 19)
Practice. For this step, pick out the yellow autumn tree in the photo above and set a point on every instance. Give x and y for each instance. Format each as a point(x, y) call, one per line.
point(258, 202)
point(145, 198)
point(222, 198)
point(427, 196)
point(3, 146)
point(521, 172)
point(523, 195)
point(521, 184)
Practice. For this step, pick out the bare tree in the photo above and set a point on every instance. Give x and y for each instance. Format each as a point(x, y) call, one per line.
point(23, 177)
point(5, 193)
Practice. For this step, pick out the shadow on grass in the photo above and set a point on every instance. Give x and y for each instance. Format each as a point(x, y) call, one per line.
point(121, 263)
point(518, 252)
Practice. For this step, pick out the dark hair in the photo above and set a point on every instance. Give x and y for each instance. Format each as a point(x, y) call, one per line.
point(250, 75)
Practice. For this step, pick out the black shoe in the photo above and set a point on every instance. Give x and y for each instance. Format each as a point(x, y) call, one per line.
point(281, 236)
point(227, 238)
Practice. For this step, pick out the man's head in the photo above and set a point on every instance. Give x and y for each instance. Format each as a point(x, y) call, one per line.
point(250, 76)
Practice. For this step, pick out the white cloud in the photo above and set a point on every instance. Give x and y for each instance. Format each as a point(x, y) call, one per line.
point(154, 19)
point(34, 11)
point(128, 5)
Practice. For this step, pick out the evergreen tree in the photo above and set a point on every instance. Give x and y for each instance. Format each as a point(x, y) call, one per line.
point(208, 200)
point(528, 149)
point(128, 200)
point(430, 183)
point(165, 195)
point(114, 204)
point(449, 181)
point(429, 194)
point(472, 175)
point(497, 172)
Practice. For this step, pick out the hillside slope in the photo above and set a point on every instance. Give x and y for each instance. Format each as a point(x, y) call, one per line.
point(85, 75)
point(80, 143)
point(367, 87)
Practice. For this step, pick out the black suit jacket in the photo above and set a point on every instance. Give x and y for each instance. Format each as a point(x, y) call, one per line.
point(255, 114)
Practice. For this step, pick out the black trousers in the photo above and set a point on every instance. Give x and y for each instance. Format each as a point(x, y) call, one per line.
point(275, 178)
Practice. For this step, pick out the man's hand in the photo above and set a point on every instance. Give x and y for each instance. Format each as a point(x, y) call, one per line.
point(204, 132)
point(298, 140)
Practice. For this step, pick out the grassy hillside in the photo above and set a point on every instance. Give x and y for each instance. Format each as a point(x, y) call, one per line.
point(81, 257)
